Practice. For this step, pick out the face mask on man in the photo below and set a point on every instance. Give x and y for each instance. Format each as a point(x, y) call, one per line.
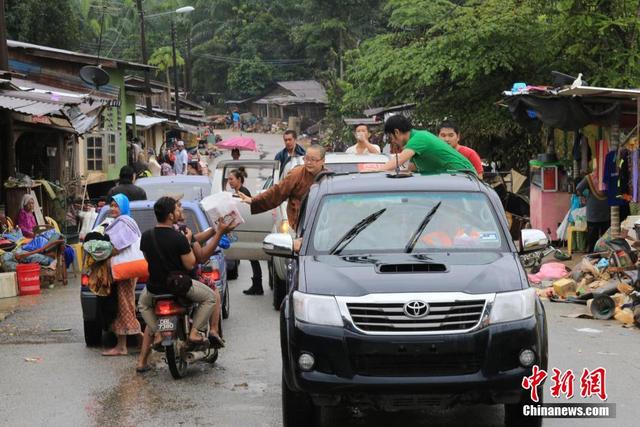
point(360, 136)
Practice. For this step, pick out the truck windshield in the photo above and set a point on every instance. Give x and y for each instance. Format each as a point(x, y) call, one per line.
point(464, 221)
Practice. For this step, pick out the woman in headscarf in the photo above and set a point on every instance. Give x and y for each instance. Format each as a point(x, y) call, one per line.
point(123, 232)
point(598, 211)
point(26, 218)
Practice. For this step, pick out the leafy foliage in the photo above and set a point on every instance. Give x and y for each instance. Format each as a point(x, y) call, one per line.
point(53, 24)
point(455, 58)
point(452, 57)
point(163, 58)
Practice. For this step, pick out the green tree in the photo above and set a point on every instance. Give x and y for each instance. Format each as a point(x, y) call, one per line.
point(331, 27)
point(54, 24)
point(163, 59)
point(453, 60)
point(249, 78)
point(598, 38)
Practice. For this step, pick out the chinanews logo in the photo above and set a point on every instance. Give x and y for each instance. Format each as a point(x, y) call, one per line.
point(592, 384)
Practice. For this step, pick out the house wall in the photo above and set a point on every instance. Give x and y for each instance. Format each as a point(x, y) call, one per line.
point(65, 74)
point(113, 125)
point(276, 113)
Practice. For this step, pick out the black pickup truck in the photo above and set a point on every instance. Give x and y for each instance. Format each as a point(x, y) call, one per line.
point(405, 293)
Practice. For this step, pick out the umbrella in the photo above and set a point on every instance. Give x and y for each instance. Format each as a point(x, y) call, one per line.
point(240, 142)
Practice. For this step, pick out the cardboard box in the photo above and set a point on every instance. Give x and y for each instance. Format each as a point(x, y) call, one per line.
point(565, 287)
point(8, 285)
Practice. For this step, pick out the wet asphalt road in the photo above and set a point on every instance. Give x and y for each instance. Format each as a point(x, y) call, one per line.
point(48, 376)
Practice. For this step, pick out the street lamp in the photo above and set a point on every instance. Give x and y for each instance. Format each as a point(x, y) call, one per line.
point(183, 11)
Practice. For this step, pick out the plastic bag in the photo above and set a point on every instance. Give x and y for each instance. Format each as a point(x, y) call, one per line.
point(561, 232)
point(575, 204)
point(222, 205)
point(580, 218)
point(130, 264)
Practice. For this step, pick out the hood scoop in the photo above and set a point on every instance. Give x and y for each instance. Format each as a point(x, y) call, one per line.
point(424, 267)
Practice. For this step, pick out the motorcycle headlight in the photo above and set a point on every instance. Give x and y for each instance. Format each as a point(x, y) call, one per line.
point(510, 306)
point(316, 309)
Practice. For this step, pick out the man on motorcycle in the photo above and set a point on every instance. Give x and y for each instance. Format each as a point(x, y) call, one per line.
point(167, 250)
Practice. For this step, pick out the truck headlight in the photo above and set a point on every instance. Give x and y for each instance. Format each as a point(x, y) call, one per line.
point(316, 309)
point(510, 306)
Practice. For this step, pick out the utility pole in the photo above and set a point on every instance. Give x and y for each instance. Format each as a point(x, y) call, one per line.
point(188, 64)
point(143, 42)
point(8, 163)
point(175, 67)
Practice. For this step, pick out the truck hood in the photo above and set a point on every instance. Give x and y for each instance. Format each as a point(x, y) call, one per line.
point(473, 273)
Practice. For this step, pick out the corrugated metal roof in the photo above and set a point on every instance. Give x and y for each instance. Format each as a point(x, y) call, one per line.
point(306, 89)
point(28, 106)
point(288, 100)
point(77, 56)
point(145, 121)
point(47, 104)
point(362, 121)
point(380, 110)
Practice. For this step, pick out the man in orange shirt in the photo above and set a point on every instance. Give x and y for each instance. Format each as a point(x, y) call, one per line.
point(449, 132)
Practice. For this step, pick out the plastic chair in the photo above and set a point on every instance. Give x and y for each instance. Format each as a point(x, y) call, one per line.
point(570, 230)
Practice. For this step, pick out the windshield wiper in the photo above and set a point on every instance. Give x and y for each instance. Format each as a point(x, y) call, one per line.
point(354, 231)
point(414, 237)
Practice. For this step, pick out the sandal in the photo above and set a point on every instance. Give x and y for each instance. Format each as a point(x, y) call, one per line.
point(199, 341)
point(142, 370)
point(216, 342)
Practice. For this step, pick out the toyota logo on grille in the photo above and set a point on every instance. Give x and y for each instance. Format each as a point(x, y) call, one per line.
point(416, 309)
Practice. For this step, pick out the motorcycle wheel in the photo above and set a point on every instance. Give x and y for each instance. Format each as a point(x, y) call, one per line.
point(528, 261)
point(177, 366)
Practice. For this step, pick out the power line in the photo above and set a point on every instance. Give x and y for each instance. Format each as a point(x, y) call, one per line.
point(233, 60)
point(122, 22)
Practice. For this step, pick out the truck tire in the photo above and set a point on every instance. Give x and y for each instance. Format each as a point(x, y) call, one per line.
point(270, 268)
point(297, 408)
point(513, 415)
point(225, 304)
point(279, 290)
point(92, 333)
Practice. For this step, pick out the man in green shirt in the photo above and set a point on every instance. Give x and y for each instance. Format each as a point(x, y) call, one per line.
point(428, 153)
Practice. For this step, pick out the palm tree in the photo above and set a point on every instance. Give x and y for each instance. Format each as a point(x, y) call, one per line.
point(163, 59)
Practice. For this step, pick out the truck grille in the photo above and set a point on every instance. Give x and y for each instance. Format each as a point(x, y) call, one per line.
point(442, 317)
point(399, 365)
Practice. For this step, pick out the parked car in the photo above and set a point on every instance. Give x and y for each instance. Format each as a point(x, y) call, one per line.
point(247, 238)
point(406, 293)
point(142, 212)
point(193, 187)
point(340, 163)
point(262, 174)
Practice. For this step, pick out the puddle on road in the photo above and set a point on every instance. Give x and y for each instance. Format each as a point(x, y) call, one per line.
point(133, 398)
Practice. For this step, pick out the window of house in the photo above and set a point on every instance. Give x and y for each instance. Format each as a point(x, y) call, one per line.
point(111, 129)
point(111, 147)
point(94, 153)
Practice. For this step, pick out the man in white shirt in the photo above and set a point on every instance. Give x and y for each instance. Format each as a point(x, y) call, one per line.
point(363, 146)
point(182, 158)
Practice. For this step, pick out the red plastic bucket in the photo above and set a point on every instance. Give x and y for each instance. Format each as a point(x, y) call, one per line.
point(28, 279)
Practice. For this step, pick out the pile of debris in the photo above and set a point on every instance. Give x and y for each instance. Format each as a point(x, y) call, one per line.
point(605, 283)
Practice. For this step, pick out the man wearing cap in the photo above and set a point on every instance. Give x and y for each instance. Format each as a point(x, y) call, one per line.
point(182, 158)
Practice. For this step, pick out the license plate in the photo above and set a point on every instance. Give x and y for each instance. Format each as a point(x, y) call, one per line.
point(167, 324)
